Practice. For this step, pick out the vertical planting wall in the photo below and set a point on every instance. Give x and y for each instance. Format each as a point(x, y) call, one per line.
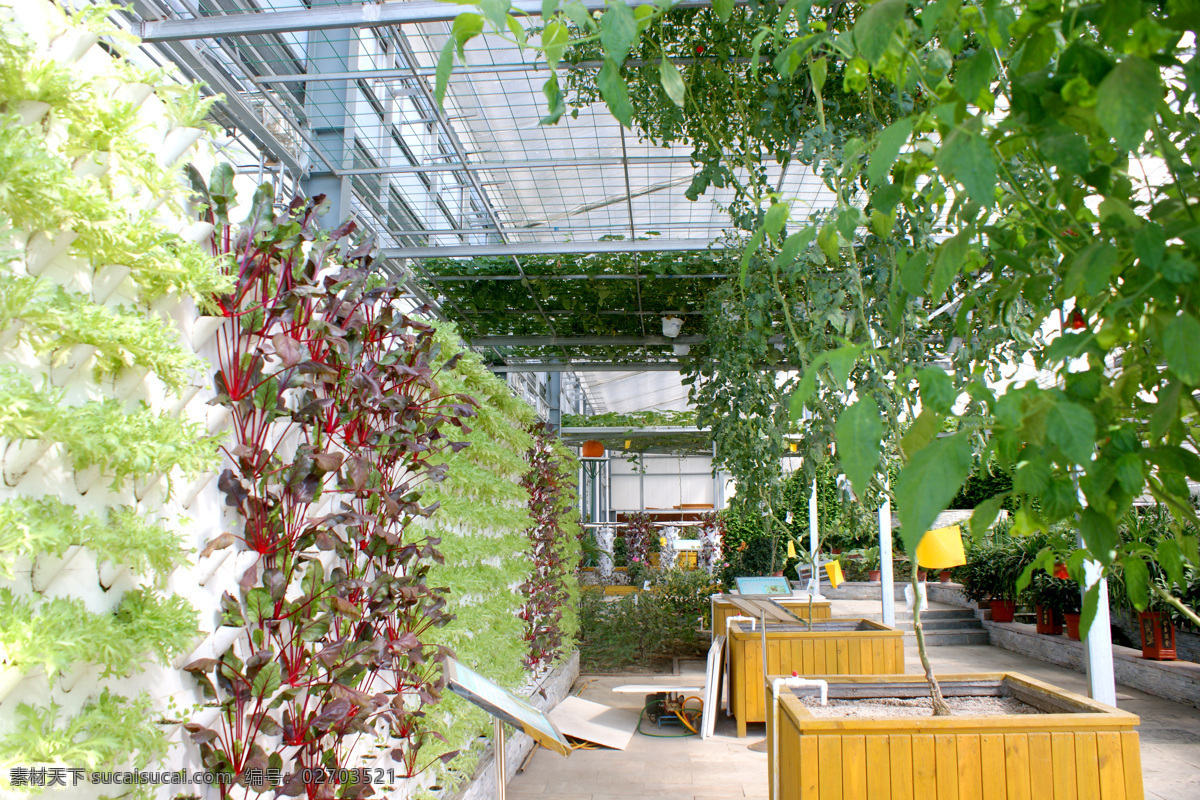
point(483, 523)
point(123, 558)
point(108, 461)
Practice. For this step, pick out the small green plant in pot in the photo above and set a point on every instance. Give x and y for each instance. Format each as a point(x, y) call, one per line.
point(868, 560)
point(990, 576)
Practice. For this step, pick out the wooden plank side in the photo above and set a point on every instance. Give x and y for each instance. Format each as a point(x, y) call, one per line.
point(755, 691)
point(1131, 752)
point(924, 761)
point(810, 770)
point(1041, 764)
point(900, 747)
point(1016, 765)
point(970, 769)
point(788, 764)
point(820, 665)
point(1111, 764)
point(879, 767)
point(945, 748)
point(1087, 771)
point(878, 647)
point(829, 760)
point(854, 661)
point(854, 766)
point(993, 772)
point(831, 659)
point(843, 656)
point(808, 657)
point(1062, 751)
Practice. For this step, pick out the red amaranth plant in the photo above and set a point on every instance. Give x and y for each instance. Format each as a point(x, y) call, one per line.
point(545, 592)
point(639, 533)
point(335, 417)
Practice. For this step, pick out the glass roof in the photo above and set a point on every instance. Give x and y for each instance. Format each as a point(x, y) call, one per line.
point(477, 175)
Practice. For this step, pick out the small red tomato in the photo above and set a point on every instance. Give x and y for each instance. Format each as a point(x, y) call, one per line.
point(1070, 232)
point(699, 49)
point(1060, 572)
point(1076, 321)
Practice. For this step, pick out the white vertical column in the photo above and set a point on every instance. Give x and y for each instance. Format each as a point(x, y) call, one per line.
point(814, 542)
point(1102, 682)
point(887, 588)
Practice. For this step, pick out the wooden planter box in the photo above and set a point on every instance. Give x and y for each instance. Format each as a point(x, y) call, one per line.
point(832, 647)
point(1078, 749)
point(722, 609)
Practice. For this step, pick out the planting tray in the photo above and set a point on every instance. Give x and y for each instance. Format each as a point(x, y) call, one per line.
point(833, 647)
point(723, 608)
point(1076, 748)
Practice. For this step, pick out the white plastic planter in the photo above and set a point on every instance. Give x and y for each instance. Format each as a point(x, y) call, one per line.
point(177, 142)
point(107, 280)
point(133, 93)
point(43, 248)
point(92, 165)
point(67, 365)
point(72, 45)
point(204, 329)
point(31, 112)
point(20, 455)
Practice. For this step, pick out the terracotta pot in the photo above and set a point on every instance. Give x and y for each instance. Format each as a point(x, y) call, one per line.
point(1072, 625)
point(944, 577)
point(837, 551)
point(922, 575)
point(873, 575)
point(592, 449)
point(1048, 621)
point(1158, 636)
point(1003, 610)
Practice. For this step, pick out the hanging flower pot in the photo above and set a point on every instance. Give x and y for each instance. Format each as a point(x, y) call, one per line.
point(1048, 621)
point(1072, 624)
point(593, 449)
point(1158, 636)
point(1003, 610)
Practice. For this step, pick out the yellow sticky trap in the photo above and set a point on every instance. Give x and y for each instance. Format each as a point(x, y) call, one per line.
point(941, 548)
point(834, 570)
point(662, 541)
point(791, 549)
point(628, 442)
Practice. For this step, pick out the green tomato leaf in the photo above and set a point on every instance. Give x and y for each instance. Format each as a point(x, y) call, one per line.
point(496, 12)
point(1091, 604)
point(1125, 101)
point(1170, 558)
point(1137, 581)
point(974, 75)
point(555, 106)
point(618, 32)
point(724, 9)
point(1099, 535)
point(937, 390)
point(928, 483)
point(874, 30)
point(950, 259)
point(985, 515)
point(776, 217)
point(1179, 340)
point(887, 149)
point(466, 27)
point(554, 42)
point(672, 81)
point(442, 77)
point(794, 245)
point(1070, 428)
point(615, 91)
point(967, 157)
point(859, 430)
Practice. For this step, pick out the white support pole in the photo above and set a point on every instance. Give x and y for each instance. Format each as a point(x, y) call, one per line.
point(501, 768)
point(813, 542)
point(1098, 653)
point(885, 558)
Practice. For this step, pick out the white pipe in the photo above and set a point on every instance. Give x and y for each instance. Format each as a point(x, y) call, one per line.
point(814, 589)
point(886, 581)
point(793, 682)
point(738, 618)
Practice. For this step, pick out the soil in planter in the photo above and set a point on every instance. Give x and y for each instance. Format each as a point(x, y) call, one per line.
point(917, 707)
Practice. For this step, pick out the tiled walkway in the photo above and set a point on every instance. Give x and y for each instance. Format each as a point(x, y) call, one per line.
point(724, 768)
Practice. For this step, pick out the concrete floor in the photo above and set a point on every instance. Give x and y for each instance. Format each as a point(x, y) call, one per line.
point(723, 767)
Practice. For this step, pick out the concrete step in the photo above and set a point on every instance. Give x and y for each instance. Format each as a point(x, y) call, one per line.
point(943, 624)
point(951, 637)
point(937, 613)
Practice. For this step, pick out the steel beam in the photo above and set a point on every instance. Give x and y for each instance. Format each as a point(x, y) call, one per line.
point(532, 163)
point(559, 366)
point(363, 15)
point(459, 69)
point(548, 248)
point(581, 341)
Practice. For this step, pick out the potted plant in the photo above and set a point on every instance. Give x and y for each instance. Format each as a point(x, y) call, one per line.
point(868, 558)
point(990, 575)
point(1052, 596)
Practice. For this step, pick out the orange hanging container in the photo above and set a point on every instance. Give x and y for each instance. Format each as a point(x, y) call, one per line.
point(593, 449)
